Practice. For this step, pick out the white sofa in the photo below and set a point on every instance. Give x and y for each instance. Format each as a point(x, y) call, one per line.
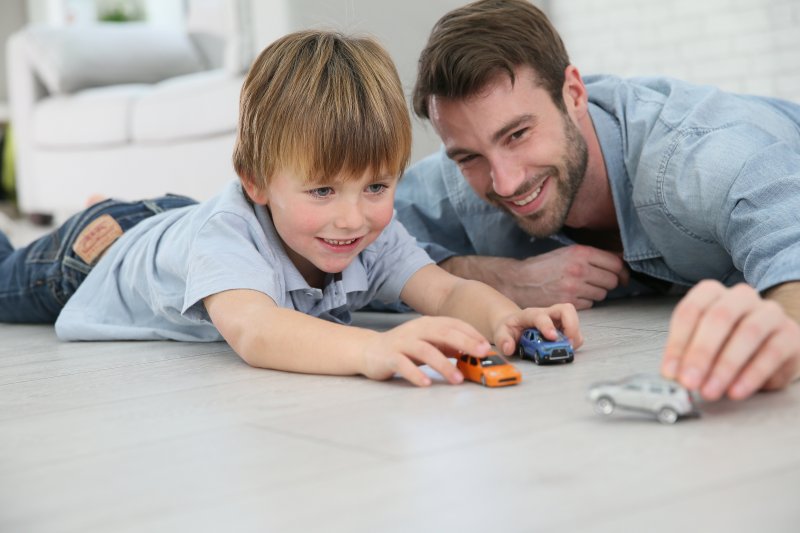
point(127, 111)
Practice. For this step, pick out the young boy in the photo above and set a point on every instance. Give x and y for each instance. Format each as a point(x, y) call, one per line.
point(307, 233)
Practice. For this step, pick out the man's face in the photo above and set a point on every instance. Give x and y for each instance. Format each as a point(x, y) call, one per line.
point(517, 150)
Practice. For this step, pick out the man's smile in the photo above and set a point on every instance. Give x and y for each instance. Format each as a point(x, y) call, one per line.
point(528, 202)
point(529, 198)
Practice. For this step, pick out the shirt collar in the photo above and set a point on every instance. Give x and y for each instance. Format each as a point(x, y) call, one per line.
point(635, 242)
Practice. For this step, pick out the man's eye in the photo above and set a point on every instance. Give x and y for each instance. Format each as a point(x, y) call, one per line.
point(517, 134)
point(466, 159)
point(321, 192)
point(376, 188)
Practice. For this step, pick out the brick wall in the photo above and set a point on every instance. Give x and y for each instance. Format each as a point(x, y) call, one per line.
point(750, 46)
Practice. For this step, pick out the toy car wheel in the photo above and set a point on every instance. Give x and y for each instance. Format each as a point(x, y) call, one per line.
point(667, 415)
point(604, 405)
point(536, 357)
point(521, 352)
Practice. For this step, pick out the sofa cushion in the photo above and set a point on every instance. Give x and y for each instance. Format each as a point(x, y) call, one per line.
point(94, 117)
point(186, 107)
point(70, 59)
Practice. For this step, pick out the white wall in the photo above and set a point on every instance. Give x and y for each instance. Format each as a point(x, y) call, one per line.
point(750, 46)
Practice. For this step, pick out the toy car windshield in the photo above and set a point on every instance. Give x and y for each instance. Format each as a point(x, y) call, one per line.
point(492, 360)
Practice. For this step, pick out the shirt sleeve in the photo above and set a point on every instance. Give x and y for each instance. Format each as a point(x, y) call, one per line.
point(739, 187)
point(229, 253)
point(760, 223)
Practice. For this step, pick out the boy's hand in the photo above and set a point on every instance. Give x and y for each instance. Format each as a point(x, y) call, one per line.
point(545, 319)
point(427, 340)
point(731, 341)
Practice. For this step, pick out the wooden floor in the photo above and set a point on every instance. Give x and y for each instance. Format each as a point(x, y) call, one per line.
point(162, 436)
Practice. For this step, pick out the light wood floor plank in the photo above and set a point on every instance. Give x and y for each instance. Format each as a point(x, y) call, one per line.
point(165, 436)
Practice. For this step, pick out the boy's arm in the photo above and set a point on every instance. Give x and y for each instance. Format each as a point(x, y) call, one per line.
point(434, 291)
point(268, 336)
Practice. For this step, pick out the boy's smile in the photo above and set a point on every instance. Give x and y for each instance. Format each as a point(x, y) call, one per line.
point(325, 225)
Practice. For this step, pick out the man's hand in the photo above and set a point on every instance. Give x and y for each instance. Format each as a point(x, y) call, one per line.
point(577, 274)
point(732, 341)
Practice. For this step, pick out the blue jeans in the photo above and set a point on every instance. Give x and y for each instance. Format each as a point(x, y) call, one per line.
point(37, 280)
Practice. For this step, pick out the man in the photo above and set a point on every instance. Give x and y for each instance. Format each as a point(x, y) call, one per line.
point(652, 179)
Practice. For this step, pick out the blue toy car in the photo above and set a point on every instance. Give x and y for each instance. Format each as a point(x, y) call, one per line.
point(533, 346)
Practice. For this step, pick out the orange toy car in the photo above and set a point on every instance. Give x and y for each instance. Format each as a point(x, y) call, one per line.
point(491, 371)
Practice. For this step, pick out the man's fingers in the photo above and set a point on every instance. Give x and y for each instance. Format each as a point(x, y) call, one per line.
point(775, 352)
point(713, 328)
point(750, 333)
point(789, 371)
point(682, 324)
point(603, 279)
point(602, 259)
point(624, 276)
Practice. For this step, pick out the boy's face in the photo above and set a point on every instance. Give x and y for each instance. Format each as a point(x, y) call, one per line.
point(324, 226)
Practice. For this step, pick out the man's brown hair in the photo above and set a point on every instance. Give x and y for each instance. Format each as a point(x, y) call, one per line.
point(322, 104)
point(469, 46)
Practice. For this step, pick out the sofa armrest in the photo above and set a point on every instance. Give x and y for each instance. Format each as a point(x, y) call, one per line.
point(25, 89)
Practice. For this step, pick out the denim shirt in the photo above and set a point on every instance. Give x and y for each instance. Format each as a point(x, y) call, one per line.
point(706, 184)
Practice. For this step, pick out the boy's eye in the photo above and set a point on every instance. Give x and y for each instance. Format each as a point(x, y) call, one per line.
point(376, 188)
point(321, 192)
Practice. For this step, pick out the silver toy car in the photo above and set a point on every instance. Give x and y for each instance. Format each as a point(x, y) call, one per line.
point(649, 393)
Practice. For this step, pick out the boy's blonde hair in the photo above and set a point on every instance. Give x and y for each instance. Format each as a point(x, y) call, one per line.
point(322, 105)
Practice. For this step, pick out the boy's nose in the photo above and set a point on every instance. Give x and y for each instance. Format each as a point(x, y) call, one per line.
point(349, 215)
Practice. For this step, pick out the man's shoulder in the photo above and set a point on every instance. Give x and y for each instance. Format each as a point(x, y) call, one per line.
point(681, 105)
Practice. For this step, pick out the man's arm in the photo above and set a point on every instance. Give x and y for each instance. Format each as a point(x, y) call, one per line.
point(730, 340)
point(580, 275)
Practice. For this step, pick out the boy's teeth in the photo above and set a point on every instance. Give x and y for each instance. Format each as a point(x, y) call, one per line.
point(528, 199)
point(339, 243)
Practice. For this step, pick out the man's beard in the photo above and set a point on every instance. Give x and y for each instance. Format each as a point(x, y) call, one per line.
point(547, 222)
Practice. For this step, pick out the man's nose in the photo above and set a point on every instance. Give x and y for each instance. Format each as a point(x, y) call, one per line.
point(507, 176)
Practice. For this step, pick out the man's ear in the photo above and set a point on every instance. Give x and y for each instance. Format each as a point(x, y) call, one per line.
point(575, 96)
point(256, 193)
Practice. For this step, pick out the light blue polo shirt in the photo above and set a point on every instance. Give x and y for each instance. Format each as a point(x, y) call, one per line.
point(151, 282)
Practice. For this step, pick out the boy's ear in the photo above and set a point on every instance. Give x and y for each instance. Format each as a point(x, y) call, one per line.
point(256, 193)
